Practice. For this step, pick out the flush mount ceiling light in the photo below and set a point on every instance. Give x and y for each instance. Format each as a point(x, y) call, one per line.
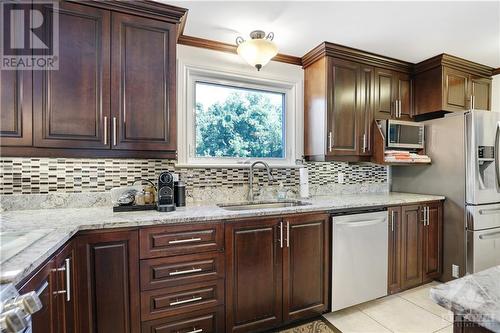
point(259, 50)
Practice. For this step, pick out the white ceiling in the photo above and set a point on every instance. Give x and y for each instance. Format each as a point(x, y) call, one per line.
point(411, 31)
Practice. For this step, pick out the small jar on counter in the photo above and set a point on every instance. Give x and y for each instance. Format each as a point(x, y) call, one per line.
point(149, 194)
point(140, 198)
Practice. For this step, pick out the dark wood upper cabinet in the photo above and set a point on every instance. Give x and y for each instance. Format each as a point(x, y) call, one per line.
point(405, 96)
point(344, 90)
point(393, 95)
point(253, 275)
point(143, 83)
point(15, 108)
point(108, 279)
point(71, 104)
point(343, 104)
point(385, 93)
point(433, 242)
point(394, 263)
point(456, 89)
point(411, 246)
point(114, 93)
point(480, 90)
point(366, 107)
point(306, 263)
point(449, 84)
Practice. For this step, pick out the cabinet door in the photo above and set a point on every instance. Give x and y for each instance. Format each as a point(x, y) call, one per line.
point(15, 108)
point(411, 246)
point(253, 275)
point(385, 93)
point(143, 83)
point(71, 103)
point(108, 279)
point(394, 274)
point(367, 102)
point(66, 296)
point(432, 238)
point(455, 90)
point(480, 89)
point(405, 95)
point(44, 284)
point(305, 266)
point(343, 107)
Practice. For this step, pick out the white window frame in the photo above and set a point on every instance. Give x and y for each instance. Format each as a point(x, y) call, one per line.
point(190, 74)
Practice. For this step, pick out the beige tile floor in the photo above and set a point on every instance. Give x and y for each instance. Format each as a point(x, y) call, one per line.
point(411, 311)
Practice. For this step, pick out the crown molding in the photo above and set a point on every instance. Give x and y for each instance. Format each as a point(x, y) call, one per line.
point(454, 62)
point(230, 48)
point(352, 54)
point(496, 71)
point(145, 8)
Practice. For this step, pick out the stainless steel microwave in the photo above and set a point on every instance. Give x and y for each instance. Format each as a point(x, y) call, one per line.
point(404, 134)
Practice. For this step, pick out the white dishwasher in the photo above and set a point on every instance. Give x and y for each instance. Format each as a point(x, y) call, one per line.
point(359, 258)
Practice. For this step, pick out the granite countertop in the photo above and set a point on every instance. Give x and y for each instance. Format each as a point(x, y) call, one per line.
point(476, 297)
point(62, 224)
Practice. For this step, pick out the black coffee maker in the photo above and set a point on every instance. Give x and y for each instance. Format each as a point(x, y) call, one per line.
point(166, 202)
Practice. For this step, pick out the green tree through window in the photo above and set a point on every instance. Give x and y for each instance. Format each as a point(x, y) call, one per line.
point(238, 122)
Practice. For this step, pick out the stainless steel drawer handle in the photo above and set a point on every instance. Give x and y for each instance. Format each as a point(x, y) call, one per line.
point(194, 331)
point(181, 241)
point(193, 270)
point(67, 265)
point(184, 301)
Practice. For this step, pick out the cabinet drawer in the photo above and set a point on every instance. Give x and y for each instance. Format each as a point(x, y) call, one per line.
point(206, 321)
point(174, 271)
point(181, 239)
point(169, 302)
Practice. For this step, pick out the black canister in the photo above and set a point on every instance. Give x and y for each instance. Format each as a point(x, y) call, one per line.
point(180, 194)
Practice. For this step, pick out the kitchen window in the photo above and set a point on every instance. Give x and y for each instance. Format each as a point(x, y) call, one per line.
point(235, 120)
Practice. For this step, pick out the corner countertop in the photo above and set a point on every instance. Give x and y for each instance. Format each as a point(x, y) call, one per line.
point(476, 297)
point(62, 224)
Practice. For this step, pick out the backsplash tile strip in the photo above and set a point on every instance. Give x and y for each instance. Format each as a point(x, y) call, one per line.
point(71, 175)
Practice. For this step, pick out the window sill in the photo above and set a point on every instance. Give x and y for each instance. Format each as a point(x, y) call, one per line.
point(236, 166)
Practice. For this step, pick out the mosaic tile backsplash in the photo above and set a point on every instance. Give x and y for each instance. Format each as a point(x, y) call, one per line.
point(71, 175)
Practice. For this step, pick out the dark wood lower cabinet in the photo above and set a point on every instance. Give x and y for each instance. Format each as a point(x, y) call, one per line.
point(277, 271)
point(254, 275)
point(394, 264)
point(433, 242)
point(206, 321)
point(66, 296)
point(109, 282)
point(411, 246)
point(415, 245)
point(305, 266)
point(43, 282)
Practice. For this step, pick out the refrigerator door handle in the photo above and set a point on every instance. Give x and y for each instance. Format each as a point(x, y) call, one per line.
point(492, 235)
point(497, 153)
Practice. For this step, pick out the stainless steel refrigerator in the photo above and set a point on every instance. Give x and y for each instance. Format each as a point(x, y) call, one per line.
point(465, 152)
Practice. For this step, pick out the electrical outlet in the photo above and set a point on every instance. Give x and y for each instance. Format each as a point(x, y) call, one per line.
point(340, 177)
point(455, 271)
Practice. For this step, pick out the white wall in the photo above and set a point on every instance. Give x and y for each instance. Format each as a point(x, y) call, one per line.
point(232, 63)
point(495, 93)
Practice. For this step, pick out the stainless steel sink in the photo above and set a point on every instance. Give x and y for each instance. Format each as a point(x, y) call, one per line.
point(262, 205)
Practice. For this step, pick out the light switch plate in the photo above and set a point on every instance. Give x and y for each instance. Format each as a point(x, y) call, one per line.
point(340, 177)
point(455, 271)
